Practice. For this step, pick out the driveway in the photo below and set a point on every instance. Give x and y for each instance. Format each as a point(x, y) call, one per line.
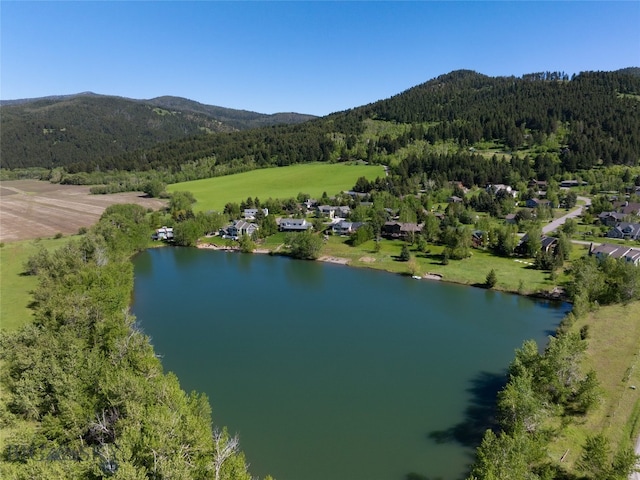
point(558, 222)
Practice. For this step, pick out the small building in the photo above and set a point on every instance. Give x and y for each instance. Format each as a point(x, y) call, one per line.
point(250, 213)
point(496, 188)
point(454, 199)
point(163, 233)
point(344, 227)
point(400, 230)
point(538, 202)
point(293, 224)
point(238, 228)
point(341, 211)
point(511, 219)
point(626, 231)
point(538, 184)
point(548, 244)
point(611, 219)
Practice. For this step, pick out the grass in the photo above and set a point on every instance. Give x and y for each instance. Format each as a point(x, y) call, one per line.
point(513, 276)
point(281, 182)
point(15, 288)
point(614, 353)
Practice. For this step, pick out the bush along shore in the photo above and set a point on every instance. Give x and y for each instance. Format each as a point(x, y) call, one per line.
point(84, 395)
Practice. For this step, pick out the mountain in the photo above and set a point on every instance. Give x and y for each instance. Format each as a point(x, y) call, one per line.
point(67, 129)
point(549, 120)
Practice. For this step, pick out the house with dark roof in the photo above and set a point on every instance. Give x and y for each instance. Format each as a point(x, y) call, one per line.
point(400, 229)
point(627, 208)
point(626, 231)
point(621, 252)
point(538, 202)
point(611, 219)
point(547, 244)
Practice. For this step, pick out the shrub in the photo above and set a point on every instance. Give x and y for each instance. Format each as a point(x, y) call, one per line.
point(491, 279)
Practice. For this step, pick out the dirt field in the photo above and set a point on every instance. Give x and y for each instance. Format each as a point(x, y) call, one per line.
point(31, 209)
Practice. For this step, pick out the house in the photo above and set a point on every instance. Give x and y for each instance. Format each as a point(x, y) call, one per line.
point(611, 219)
point(293, 224)
point(571, 183)
point(478, 238)
point(627, 208)
point(454, 199)
point(344, 227)
point(163, 233)
point(326, 210)
point(547, 244)
point(399, 229)
point(511, 219)
point(250, 213)
point(625, 230)
point(627, 254)
point(238, 228)
point(538, 202)
point(343, 211)
point(331, 211)
point(495, 188)
point(537, 184)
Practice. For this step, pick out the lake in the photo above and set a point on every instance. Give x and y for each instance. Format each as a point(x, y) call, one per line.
point(332, 372)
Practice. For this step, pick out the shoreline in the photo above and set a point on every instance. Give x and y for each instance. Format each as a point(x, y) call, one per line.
point(555, 295)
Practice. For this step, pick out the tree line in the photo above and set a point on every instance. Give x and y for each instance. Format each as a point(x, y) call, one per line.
point(84, 394)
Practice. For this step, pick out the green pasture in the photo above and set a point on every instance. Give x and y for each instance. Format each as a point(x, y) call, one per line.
point(279, 182)
point(614, 353)
point(15, 287)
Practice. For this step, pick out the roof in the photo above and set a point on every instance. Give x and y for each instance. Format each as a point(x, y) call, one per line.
point(617, 251)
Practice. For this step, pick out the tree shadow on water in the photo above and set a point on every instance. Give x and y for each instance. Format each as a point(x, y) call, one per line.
point(479, 416)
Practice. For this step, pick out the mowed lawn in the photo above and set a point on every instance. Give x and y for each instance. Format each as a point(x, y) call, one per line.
point(278, 182)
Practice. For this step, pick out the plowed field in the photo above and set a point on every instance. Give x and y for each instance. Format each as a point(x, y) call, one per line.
point(31, 208)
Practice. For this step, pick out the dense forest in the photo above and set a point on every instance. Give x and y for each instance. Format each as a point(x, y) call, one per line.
point(559, 124)
point(87, 128)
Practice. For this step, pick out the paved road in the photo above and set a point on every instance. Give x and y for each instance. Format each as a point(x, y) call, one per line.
point(558, 222)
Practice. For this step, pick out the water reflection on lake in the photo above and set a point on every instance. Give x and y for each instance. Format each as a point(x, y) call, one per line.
point(332, 372)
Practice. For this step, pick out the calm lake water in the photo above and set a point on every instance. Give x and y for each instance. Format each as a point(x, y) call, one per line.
point(331, 372)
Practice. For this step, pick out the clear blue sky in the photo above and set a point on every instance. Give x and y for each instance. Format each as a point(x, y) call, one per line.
point(307, 57)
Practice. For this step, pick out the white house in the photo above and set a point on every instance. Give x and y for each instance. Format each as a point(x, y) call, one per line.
point(163, 233)
point(293, 224)
point(250, 213)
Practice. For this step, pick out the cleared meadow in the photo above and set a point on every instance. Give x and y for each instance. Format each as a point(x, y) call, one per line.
point(15, 287)
point(279, 182)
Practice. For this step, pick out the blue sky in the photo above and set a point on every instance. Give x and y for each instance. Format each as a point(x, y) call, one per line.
point(307, 57)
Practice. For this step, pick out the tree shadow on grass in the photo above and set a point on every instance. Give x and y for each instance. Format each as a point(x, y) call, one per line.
point(434, 258)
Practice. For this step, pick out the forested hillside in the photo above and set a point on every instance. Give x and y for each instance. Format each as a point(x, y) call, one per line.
point(542, 125)
point(87, 129)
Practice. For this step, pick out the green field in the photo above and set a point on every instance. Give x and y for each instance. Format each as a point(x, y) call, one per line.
point(15, 288)
point(614, 353)
point(512, 275)
point(280, 182)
